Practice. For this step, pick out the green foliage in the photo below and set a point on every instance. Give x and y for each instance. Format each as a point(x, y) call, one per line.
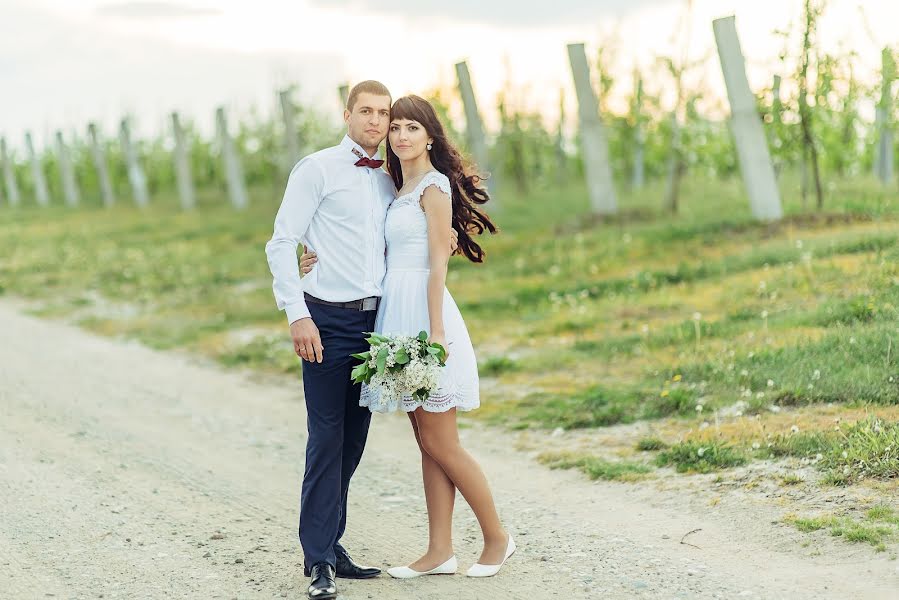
point(595, 467)
point(700, 457)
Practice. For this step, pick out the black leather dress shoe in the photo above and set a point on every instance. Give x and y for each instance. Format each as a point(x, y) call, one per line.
point(347, 569)
point(322, 586)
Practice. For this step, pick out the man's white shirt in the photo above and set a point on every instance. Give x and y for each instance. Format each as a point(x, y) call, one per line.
point(337, 210)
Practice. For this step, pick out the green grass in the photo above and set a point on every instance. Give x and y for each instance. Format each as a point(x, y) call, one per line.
point(867, 449)
point(696, 457)
point(596, 468)
point(650, 444)
point(877, 528)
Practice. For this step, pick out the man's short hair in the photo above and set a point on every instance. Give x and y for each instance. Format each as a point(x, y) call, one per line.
point(369, 86)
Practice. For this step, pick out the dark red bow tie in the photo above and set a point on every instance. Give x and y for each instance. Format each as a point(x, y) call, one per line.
point(369, 162)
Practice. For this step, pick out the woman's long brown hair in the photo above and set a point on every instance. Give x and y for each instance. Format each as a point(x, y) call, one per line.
point(468, 219)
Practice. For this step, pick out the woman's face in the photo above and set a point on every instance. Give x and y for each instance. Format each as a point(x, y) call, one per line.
point(408, 139)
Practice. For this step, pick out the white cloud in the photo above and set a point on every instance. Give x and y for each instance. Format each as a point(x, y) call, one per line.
point(498, 13)
point(157, 10)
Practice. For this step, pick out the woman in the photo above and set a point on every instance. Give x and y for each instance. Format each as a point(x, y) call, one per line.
point(435, 196)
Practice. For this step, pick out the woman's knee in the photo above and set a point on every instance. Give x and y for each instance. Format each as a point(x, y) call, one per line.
point(437, 444)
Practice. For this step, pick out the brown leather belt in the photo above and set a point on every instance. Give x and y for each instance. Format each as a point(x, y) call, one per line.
point(365, 304)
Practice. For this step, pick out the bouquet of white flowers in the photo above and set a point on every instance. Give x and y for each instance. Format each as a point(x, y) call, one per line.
point(399, 365)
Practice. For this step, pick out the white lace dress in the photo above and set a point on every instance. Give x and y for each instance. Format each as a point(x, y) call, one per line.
point(404, 307)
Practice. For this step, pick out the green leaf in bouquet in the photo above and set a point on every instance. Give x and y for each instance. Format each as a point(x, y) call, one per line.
point(402, 357)
point(439, 352)
point(359, 373)
point(423, 337)
point(364, 356)
point(382, 359)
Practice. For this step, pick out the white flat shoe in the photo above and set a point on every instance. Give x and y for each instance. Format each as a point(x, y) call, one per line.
point(479, 570)
point(447, 568)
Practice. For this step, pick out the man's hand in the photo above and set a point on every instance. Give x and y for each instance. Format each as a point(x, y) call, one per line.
point(454, 241)
point(307, 342)
point(307, 261)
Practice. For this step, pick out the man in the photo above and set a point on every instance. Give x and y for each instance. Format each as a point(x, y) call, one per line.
point(335, 203)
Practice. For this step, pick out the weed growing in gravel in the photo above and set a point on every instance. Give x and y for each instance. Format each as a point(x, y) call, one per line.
point(595, 467)
point(695, 457)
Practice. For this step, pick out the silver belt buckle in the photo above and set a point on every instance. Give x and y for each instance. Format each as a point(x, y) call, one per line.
point(370, 304)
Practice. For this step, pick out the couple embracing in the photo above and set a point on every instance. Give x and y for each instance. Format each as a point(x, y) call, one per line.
point(379, 243)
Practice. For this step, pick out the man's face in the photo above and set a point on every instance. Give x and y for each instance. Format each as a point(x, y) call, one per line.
point(367, 123)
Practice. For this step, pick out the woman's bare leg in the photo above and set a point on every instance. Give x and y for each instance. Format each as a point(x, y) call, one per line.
point(439, 436)
point(440, 496)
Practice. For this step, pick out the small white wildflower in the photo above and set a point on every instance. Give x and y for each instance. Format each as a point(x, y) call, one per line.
point(756, 445)
point(744, 373)
point(799, 243)
point(817, 374)
point(852, 340)
point(700, 452)
point(699, 408)
point(760, 394)
point(819, 456)
point(794, 429)
point(770, 383)
point(845, 454)
point(697, 316)
point(644, 328)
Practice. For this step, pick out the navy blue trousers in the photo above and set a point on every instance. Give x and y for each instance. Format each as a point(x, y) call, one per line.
point(337, 427)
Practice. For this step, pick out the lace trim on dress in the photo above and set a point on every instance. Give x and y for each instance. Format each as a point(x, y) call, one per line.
point(435, 178)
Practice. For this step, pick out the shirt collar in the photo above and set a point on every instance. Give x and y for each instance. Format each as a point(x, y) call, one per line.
point(356, 149)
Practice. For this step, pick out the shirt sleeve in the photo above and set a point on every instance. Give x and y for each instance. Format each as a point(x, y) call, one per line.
point(302, 197)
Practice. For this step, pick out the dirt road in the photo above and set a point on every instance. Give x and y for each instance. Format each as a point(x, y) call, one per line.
point(129, 473)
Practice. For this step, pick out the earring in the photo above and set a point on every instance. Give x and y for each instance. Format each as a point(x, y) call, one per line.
point(429, 146)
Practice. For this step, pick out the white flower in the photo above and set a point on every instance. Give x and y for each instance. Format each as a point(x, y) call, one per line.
point(700, 452)
point(845, 454)
point(699, 408)
point(744, 373)
point(756, 445)
point(770, 383)
point(697, 316)
point(794, 429)
point(799, 243)
point(764, 314)
point(817, 374)
point(819, 456)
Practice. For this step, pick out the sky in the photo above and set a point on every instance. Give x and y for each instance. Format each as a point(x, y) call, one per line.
point(66, 62)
